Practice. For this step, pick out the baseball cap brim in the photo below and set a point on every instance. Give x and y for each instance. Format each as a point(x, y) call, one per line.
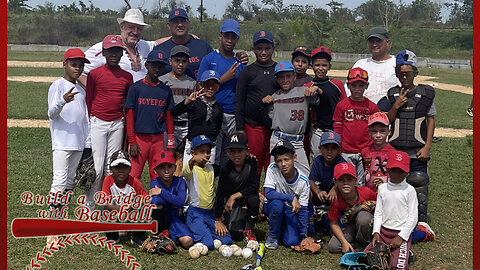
point(377, 36)
point(356, 79)
point(119, 161)
point(330, 141)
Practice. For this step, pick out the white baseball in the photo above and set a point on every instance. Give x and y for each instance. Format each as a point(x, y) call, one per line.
point(252, 244)
point(237, 251)
point(217, 243)
point(204, 250)
point(194, 252)
point(247, 253)
point(221, 248)
point(226, 252)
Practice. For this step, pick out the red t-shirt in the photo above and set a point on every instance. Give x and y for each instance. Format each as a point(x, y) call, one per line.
point(351, 122)
point(106, 91)
point(339, 205)
point(375, 165)
point(133, 185)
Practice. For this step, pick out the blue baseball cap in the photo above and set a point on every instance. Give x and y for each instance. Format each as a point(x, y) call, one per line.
point(406, 57)
point(177, 13)
point(263, 35)
point(284, 66)
point(157, 55)
point(330, 137)
point(201, 140)
point(210, 74)
point(230, 25)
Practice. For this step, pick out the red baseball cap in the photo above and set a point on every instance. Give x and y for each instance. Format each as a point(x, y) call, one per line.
point(112, 41)
point(344, 168)
point(323, 50)
point(74, 53)
point(357, 74)
point(398, 159)
point(163, 157)
point(378, 117)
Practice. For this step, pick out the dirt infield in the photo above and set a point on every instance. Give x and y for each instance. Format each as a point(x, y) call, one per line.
point(30, 123)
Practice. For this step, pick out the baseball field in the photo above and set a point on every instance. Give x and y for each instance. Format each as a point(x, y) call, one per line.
point(29, 169)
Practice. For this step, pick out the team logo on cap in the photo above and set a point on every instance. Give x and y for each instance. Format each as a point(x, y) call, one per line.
point(280, 143)
point(212, 73)
point(203, 137)
point(162, 154)
point(301, 48)
point(160, 55)
point(322, 49)
point(177, 12)
point(234, 139)
point(114, 39)
point(262, 33)
point(399, 157)
point(331, 135)
point(344, 166)
point(281, 66)
point(120, 155)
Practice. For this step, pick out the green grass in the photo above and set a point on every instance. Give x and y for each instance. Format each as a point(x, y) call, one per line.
point(35, 56)
point(23, 71)
point(450, 214)
point(27, 100)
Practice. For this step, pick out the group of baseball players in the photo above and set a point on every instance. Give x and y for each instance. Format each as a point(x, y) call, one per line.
point(193, 113)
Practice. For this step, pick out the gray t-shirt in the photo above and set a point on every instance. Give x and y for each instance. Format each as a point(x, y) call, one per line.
point(290, 110)
point(181, 89)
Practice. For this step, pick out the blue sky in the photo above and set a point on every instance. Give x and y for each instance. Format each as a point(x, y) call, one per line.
point(213, 7)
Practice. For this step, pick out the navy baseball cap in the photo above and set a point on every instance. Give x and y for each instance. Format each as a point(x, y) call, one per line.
point(263, 35)
point(237, 140)
point(330, 137)
point(230, 25)
point(201, 140)
point(283, 144)
point(210, 74)
point(157, 55)
point(177, 13)
point(406, 57)
point(284, 66)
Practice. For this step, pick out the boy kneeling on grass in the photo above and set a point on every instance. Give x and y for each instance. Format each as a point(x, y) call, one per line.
point(200, 176)
point(169, 194)
point(286, 198)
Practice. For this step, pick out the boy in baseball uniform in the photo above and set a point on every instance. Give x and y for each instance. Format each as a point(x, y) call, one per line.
point(286, 198)
point(289, 112)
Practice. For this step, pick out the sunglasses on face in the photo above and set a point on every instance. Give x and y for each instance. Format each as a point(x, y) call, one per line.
point(407, 74)
point(210, 84)
point(357, 73)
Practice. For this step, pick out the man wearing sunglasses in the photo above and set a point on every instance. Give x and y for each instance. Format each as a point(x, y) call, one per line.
point(380, 66)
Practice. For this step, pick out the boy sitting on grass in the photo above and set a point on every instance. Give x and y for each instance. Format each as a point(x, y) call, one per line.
point(286, 198)
point(200, 177)
point(121, 183)
point(357, 233)
point(237, 187)
point(169, 194)
point(396, 212)
point(322, 185)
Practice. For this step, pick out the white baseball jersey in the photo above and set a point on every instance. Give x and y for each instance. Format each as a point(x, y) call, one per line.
point(290, 110)
point(299, 186)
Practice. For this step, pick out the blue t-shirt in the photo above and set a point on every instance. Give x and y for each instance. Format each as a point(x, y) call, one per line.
point(321, 174)
point(226, 93)
point(173, 196)
point(198, 49)
point(150, 103)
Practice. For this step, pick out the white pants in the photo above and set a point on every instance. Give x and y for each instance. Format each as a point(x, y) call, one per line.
point(187, 155)
point(315, 136)
point(180, 133)
point(302, 161)
point(356, 160)
point(65, 165)
point(227, 129)
point(107, 138)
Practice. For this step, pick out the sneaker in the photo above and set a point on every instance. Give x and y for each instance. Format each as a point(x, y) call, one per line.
point(137, 241)
point(411, 257)
point(470, 112)
point(249, 235)
point(271, 243)
point(424, 227)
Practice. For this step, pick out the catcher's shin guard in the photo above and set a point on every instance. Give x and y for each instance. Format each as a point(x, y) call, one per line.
point(420, 180)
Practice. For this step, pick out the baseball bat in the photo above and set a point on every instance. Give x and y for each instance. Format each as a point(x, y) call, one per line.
point(260, 253)
point(35, 227)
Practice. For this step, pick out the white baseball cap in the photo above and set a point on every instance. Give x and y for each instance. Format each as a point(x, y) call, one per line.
point(135, 16)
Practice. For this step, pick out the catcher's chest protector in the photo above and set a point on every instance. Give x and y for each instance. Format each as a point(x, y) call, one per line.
point(409, 130)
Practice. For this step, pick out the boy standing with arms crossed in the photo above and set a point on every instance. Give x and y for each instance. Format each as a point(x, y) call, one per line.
point(254, 83)
point(286, 198)
point(411, 110)
point(147, 108)
point(223, 61)
point(396, 212)
point(350, 120)
point(200, 176)
point(107, 90)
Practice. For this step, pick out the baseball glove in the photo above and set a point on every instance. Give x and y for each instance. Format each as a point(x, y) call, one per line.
point(85, 174)
point(159, 245)
point(308, 246)
point(351, 214)
point(378, 257)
